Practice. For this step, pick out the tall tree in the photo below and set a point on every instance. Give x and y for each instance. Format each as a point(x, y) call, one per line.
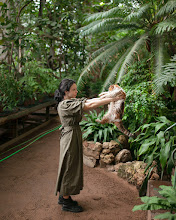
point(137, 29)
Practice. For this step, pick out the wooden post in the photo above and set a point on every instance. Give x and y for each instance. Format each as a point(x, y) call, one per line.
point(47, 113)
point(14, 128)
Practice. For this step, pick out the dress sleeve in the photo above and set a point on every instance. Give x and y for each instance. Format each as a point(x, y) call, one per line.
point(72, 107)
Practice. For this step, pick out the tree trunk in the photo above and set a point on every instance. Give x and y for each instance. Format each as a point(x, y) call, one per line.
point(3, 55)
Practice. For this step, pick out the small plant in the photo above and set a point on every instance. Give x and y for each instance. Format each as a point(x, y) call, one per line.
point(166, 202)
point(95, 131)
point(9, 89)
point(37, 81)
point(156, 142)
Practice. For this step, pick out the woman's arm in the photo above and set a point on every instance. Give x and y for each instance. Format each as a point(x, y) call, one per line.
point(96, 102)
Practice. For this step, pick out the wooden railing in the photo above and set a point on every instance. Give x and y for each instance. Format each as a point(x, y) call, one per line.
point(12, 125)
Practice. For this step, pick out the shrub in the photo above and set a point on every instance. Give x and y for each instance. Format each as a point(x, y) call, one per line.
point(156, 142)
point(95, 131)
point(167, 202)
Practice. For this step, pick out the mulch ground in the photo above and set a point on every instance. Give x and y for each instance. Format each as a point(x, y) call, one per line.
point(27, 185)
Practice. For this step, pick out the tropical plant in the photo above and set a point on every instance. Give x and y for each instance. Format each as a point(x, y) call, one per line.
point(37, 81)
point(141, 104)
point(9, 89)
point(134, 26)
point(168, 76)
point(94, 131)
point(156, 142)
point(167, 201)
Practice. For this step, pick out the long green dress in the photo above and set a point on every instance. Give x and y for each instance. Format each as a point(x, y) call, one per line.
point(70, 172)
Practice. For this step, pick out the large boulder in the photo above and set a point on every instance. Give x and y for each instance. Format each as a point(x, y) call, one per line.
point(92, 149)
point(123, 140)
point(133, 172)
point(114, 147)
point(105, 145)
point(123, 156)
point(89, 161)
point(107, 158)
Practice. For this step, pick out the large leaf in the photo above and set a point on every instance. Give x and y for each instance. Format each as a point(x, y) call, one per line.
point(101, 15)
point(130, 56)
point(159, 126)
point(169, 7)
point(147, 143)
point(114, 72)
point(166, 215)
point(164, 154)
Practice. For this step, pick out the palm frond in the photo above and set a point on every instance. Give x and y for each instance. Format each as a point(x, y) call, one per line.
point(102, 49)
point(168, 75)
point(168, 8)
point(87, 27)
point(101, 15)
point(167, 25)
point(104, 25)
point(159, 57)
point(113, 74)
point(102, 58)
point(139, 13)
point(129, 57)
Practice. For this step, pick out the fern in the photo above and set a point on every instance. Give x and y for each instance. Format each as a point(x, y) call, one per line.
point(139, 13)
point(129, 57)
point(101, 15)
point(168, 8)
point(113, 74)
point(103, 58)
point(108, 24)
point(101, 50)
point(168, 75)
point(159, 61)
point(165, 26)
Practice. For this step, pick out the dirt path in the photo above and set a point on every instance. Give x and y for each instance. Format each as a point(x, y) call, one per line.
point(27, 184)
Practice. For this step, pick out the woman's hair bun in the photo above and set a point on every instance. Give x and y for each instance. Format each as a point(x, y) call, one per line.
point(57, 95)
point(65, 85)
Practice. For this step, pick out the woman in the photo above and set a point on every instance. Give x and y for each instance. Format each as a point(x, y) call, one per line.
point(70, 173)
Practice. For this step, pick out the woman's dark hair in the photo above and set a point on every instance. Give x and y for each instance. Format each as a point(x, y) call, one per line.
point(64, 86)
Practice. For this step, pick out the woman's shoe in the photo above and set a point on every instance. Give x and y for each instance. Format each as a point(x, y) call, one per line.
point(62, 201)
point(72, 208)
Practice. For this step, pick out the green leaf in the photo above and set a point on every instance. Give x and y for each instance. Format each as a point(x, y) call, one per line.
point(147, 143)
point(159, 126)
point(164, 154)
point(105, 134)
point(95, 137)
point(166, 215)
point(163, 119)
point(100, 134)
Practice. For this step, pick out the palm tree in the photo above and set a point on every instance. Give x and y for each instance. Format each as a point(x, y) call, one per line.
point(148, 28)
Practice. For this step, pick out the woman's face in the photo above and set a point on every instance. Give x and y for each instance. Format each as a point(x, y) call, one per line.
point(72, 93)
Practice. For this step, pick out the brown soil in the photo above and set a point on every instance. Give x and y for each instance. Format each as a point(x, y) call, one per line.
point(27, 185)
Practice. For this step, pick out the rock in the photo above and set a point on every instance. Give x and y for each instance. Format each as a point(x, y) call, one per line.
point(106, 145)
point(123, 156)
point(123, 141)
point(92, 149)
point(154, 176)
point(108, 158)
point(89, 161)
point(106, 151)
point(133, 172)
point(113, 144)
point(110, 168)
point(117, 166)
point(114, 147)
